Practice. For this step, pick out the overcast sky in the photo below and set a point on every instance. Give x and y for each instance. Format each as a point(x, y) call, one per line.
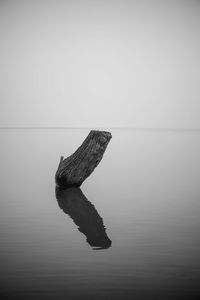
point(103, 63)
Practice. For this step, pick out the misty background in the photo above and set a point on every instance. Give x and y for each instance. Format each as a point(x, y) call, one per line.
point(124, 66)
point(100, 63)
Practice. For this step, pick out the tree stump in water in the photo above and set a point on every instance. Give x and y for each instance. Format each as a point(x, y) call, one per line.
point(73, 170)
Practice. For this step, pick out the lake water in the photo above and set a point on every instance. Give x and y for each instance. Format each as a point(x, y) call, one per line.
point(131, 232)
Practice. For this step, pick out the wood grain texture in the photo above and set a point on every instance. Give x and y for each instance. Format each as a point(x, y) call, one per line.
point(73, 170)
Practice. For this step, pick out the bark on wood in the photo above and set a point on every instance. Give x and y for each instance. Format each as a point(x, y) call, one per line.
point(73, 170)
point(84, 214)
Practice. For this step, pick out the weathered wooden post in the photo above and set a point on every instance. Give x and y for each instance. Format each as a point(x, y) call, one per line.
point(73, 170)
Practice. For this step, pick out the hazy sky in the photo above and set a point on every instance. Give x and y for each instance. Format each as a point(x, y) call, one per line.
point(100, 63)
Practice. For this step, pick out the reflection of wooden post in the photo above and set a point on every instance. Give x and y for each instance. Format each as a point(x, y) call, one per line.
point(73, 170)
point(84, 214)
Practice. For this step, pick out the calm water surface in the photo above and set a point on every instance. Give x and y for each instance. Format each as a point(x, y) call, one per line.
point(130, 232)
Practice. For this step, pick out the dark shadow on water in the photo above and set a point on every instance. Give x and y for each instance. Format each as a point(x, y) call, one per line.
point(84, 214)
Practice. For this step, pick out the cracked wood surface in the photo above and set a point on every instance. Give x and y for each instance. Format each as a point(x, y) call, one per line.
point(73, 170)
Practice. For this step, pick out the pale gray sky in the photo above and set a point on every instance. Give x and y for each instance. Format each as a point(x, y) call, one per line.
point(100, 63)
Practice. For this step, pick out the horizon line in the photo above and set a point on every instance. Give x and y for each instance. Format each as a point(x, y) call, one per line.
point(99, 128)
